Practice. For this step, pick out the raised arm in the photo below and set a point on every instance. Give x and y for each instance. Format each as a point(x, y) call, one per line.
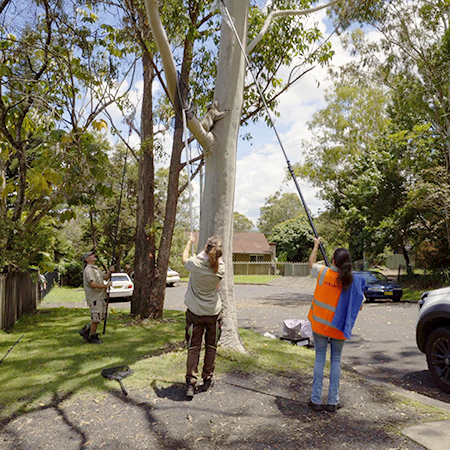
point(313, 255)
point(186, 250)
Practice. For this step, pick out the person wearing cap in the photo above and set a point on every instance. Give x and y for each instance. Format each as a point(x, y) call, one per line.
point(95, 290)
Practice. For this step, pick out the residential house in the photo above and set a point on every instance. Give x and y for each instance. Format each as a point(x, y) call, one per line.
point(252, 247)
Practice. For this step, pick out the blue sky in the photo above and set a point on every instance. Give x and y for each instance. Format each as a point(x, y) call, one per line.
point(261, 166)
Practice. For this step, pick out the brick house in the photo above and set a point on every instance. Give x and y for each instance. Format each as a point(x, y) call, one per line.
point(252, 247)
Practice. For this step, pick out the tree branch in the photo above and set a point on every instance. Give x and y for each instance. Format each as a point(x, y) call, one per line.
point(197, 170)
point(124, 141)
point(287, 12)
point(193, 160)
point(4, 4)
point(204, 137)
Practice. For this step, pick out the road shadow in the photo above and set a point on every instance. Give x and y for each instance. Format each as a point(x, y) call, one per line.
point(176, 392)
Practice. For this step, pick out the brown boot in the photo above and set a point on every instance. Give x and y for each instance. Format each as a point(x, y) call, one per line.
point(190, 391)
point(84, 332)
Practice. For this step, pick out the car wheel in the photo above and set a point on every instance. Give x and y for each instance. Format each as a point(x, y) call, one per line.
point(396, 298)
point(369, 300)
point(438, 357)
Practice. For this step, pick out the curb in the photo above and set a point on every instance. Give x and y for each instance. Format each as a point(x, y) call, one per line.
point(431, 435)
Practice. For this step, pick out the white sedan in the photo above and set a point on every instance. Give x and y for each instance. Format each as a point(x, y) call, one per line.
point(122, 286)
point(172, 277)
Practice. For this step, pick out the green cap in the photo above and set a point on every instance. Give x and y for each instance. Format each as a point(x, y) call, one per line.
point(87, 254)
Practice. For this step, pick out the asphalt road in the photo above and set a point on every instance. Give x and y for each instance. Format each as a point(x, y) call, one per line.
point(382, 347)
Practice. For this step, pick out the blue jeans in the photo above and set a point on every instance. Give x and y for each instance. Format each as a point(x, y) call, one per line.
point(320, 345)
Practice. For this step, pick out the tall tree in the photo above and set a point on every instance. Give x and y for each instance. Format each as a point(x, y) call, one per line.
point(242, 224)
point(277, 209)
point(413, 38)
point(294, 238)
point(54, 84)
point(342, 159)
point(220, 146)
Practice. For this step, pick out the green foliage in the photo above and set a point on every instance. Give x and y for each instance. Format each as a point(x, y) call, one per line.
point(71, 273)
point(288, 43)
point(95, 224)
point(242, 224)
point(293, 237)
point(179, 240)
point(277, 209)
point(418, 136)
point(345, 132)
point(53, 65)
point(370, 169)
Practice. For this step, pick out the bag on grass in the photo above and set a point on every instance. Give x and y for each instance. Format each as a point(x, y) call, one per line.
point(297, 328)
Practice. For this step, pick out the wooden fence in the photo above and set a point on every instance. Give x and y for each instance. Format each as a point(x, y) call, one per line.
point(271, 268)
point(296, 270)
point(18, 296)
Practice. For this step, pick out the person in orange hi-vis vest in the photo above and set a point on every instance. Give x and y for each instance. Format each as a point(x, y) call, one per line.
point(338, 298)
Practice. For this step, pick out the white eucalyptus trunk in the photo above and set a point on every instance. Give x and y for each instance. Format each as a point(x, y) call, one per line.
point(220, 142)
point(220, 163)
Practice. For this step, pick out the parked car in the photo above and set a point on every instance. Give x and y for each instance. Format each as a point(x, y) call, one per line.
point(433, 334)
point(172, 277)
point(379, 286)
point(122, 286)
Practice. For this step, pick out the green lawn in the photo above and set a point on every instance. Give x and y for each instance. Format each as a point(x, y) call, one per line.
point(64, 295)
point(254, 279)
point(52, 361)
point(412, 294)
point(76, 295)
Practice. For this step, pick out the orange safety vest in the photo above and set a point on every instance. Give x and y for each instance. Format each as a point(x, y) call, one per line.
point(323, 307)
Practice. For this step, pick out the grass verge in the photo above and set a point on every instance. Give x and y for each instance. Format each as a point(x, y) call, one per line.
point(65, 295)
point(254, 279)
point(412, 295)
point(52, 360)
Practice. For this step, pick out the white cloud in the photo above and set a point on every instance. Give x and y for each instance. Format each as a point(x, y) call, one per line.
point(261, 166)
point(263, 172)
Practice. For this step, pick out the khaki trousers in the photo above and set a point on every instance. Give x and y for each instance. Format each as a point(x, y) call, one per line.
point(196, 326)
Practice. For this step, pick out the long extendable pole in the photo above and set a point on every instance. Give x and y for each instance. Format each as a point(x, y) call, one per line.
point(188, 158)
point(113, 258)
point(10, 350)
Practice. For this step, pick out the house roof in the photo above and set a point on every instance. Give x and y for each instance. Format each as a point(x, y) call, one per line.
point(249, 243)
point(254, 243)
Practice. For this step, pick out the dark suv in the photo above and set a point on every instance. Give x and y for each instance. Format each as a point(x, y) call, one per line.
point(433, 334)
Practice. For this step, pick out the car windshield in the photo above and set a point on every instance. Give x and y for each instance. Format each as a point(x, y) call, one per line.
point(373, 277)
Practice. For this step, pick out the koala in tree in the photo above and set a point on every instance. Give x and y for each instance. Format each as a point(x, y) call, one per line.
point(212, 115)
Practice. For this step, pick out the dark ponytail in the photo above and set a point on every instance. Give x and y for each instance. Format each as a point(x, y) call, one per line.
point(343, 261)
point(214, 250)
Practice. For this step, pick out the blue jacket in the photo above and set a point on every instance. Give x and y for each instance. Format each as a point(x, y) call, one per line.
point(349, 305)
